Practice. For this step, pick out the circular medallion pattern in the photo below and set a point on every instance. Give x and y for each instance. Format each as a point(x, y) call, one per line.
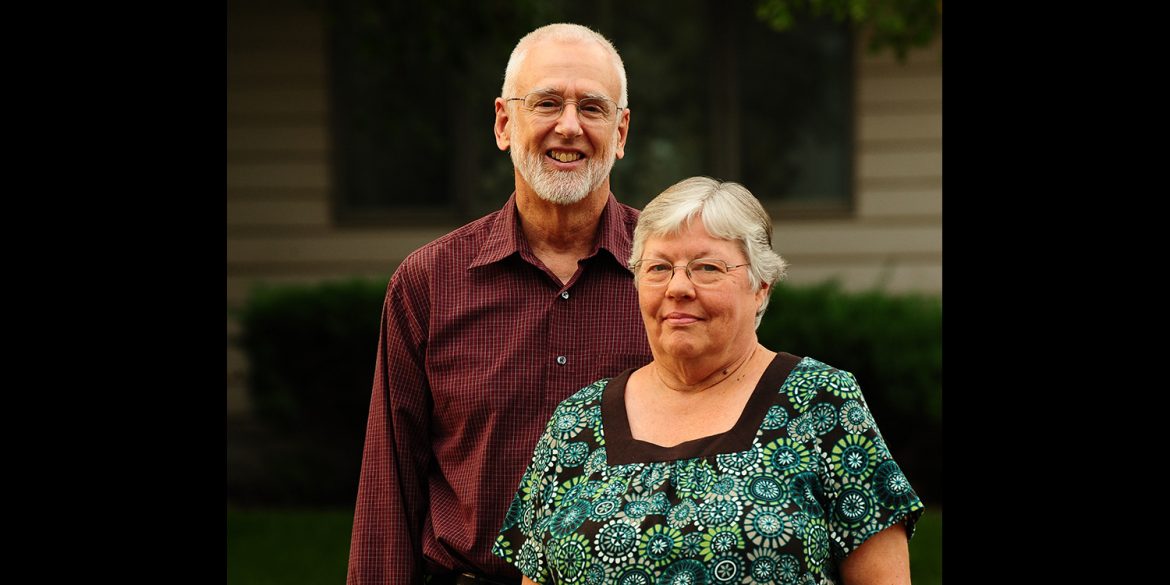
point(726, 569)
point(685, 572)
point(660, 545)
point(570, 558)
point(842, 385)
point(787, 456)
point(693, 477)
point(805, 489)
point(854, 456)
point(529, 559)
point(739, 463)
point(573, 454)
point(595, 462)
point(719, 540)
point(788, 570)
point(854, 417)
point(768, 527)
point(635, 576)
point(568, 423)
point(604, 508)
point(766, 489)
point(816, 546)
point(567, 518)
point(854, 508)
point(615, 542)
point(890, 485)
point(762, 566)
point(823, 418)
point(716, 512)
point(682, 514)
point(776, 418)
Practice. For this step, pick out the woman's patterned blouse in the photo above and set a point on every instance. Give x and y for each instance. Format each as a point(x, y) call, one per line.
point(802, 480)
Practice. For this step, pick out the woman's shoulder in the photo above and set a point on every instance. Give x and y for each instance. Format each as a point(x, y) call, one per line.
point(809, 368)
point(585, 396)
point(811, 378)
point(591, 395)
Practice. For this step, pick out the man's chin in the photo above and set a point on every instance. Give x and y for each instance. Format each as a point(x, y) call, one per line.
point(561, 197)
point(556, 186)
point(561, 190)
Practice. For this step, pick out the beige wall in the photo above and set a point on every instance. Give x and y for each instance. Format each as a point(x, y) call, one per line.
point(279, 228)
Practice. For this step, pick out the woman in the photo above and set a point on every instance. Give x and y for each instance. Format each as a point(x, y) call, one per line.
point(721, 461)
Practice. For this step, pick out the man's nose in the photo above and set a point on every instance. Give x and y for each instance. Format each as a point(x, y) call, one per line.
point(568, 124)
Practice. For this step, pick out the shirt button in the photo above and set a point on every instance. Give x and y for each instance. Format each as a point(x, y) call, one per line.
point(565, 295)
point(562, 360)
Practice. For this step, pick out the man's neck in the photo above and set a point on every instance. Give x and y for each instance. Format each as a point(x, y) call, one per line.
point(560, 235)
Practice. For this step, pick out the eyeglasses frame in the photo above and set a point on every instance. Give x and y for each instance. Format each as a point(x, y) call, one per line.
point(565, 102)
point(687, 268)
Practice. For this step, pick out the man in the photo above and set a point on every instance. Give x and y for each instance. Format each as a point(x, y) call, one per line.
point(487, 329)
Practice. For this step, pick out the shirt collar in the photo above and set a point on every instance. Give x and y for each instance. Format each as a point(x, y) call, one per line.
point(505, 237)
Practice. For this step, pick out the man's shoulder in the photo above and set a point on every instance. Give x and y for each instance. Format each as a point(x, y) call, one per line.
point(629, 216)
point(458, 246)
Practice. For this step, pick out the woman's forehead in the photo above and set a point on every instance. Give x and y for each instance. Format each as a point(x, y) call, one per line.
point(692, 241)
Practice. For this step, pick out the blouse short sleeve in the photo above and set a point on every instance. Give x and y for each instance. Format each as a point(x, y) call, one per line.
point(862, 489)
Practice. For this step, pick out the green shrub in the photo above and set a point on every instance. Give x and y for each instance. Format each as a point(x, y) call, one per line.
point(311, 356)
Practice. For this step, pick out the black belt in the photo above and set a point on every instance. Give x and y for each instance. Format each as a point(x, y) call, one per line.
point(470, 579)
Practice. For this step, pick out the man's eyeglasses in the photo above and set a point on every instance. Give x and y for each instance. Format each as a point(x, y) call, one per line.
point(701, 271)
point(550, 105)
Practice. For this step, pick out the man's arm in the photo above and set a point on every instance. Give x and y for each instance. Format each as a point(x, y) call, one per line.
point(386, 544)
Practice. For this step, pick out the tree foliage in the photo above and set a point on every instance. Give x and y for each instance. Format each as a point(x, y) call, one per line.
point(898, 25)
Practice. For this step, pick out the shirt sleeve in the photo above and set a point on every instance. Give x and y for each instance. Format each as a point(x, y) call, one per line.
point(864, 490)
point(386, 543)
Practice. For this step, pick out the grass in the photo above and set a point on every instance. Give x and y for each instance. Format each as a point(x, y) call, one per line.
point(926, 548)
point(311, 547)
point(287, 547)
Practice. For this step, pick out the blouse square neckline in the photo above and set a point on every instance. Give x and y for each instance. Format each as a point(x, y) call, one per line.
point(622, 448)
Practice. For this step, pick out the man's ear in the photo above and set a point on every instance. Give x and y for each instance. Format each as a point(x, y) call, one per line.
point(501, 125)
point(623, 129)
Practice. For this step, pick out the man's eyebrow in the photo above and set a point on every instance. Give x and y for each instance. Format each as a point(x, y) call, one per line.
point(557, 92)
point(595, 95)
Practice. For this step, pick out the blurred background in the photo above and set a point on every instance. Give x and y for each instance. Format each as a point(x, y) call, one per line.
point(359, 130)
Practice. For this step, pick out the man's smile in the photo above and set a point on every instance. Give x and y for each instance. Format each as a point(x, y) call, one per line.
point(565, 156)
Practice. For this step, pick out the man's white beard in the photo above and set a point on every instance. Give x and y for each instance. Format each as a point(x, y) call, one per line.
point(563, 187)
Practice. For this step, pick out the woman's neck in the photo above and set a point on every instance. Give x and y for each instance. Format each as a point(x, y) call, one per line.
point(691, 376)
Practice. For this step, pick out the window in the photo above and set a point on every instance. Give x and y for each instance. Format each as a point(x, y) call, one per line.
point(713, 91)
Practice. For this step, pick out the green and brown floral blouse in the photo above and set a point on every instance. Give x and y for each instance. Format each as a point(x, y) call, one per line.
point(801, 480)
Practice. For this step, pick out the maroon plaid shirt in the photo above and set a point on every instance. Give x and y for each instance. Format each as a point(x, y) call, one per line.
point(479, 344)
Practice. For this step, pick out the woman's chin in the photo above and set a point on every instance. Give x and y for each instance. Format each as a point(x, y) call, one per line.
point(683, 349)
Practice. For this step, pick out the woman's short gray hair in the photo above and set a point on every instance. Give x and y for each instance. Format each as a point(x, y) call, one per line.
point(728, 211)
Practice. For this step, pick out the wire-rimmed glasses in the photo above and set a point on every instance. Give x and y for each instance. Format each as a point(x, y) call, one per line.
point(701, 271)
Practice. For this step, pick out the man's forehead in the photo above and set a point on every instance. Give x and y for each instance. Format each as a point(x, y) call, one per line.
point(554, 65)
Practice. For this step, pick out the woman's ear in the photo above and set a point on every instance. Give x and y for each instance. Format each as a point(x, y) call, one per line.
point(765, 290)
